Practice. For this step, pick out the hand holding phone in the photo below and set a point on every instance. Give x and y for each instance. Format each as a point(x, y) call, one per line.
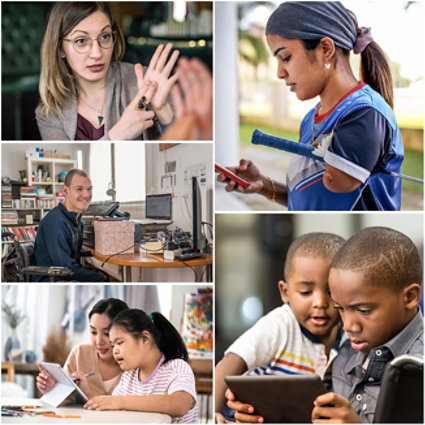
point(231, 175)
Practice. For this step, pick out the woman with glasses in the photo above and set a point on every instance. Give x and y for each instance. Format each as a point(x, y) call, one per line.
point(86, 92)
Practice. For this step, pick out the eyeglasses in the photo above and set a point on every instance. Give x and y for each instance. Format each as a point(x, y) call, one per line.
point(85, 44)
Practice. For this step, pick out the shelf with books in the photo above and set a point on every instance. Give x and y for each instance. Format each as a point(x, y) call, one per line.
point(24, 234)
point(6, 195)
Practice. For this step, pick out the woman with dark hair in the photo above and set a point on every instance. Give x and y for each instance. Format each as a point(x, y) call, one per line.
point(353, 127)
point(86, 92)
point(96, 358)
point(157, 376)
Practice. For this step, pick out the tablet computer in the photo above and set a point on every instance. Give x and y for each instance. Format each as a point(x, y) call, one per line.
point(61, 377)
point(279, 398)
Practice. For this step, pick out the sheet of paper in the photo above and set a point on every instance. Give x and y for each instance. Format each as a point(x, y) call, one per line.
point(20, 401)
point(57, 394)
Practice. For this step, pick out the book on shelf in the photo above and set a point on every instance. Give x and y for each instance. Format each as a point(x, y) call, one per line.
point(6, 196)
point(9, 217)
point(23, 233)
point(28, 190)
point(47, 202)
point(25, 202)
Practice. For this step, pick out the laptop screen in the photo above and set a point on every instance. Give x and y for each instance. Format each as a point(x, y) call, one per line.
point(159, 206)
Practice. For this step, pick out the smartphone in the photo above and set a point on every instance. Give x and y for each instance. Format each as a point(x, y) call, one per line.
point(231, 175)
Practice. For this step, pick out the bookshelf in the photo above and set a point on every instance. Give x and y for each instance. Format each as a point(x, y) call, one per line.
point(25, 204)
point(44, 172)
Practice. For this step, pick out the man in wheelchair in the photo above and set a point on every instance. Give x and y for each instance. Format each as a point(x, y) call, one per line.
point(59, 236)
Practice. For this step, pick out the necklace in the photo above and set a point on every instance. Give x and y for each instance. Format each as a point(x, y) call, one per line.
point(99, 111)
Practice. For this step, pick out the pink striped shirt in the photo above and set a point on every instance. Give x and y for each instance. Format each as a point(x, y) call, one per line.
point(175, 375)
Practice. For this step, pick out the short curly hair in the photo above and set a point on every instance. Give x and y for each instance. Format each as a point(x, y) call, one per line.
point(316, 244)
point(385, 257)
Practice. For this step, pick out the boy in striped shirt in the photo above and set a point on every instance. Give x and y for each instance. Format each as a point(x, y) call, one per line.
point(300, 337)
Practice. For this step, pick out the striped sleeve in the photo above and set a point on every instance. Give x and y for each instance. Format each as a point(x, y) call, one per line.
point(183, 379)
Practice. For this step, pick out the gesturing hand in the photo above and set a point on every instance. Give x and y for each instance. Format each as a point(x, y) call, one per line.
point(159, 70)
point(135, 120)
point(193, 93)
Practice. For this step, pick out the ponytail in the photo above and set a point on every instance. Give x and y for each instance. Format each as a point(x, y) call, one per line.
point(375, 71)
point(374, 68)
point(165, 335)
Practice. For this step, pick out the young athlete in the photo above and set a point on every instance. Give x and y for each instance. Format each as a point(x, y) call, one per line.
point(301, 336)
point(353, 125)
point(157, 376)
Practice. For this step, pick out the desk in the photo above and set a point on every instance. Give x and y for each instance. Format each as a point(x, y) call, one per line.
point(127, 261)
point(21, 368)
point(90, 417)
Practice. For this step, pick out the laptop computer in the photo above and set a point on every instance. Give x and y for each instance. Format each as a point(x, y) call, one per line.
point(159, 209)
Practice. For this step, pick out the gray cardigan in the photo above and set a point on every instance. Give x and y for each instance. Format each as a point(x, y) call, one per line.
point(121, 87)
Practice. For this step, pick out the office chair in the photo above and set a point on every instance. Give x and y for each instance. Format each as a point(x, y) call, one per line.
point(401, 397)
point(17, 263)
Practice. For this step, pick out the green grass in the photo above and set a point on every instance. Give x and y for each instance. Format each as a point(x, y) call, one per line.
point(246, 130)
point(412, 164)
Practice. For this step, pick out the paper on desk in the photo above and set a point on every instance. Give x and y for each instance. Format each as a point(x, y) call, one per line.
point(20, 401)
point(57, 394)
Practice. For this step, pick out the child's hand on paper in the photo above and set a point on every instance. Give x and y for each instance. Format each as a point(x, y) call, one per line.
point(244, 412)
point(103, 402)
point(331, 408)
point(45, 381)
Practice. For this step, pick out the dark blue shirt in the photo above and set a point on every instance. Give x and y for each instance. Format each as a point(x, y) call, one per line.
point(359, 137)
point(58, 242)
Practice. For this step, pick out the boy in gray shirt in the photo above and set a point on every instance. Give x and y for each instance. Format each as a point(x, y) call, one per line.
point(375, 282)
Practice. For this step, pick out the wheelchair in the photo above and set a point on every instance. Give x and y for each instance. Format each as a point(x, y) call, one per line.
point(17, 265)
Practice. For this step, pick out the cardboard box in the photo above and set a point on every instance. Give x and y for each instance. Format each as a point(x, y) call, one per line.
point(114, 236)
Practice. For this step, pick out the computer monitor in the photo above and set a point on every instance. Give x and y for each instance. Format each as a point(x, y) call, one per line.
point(159, 206)
point(197, 234)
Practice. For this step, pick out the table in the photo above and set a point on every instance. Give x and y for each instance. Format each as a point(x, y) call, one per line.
point(90, 417)
point(127, 261)
point(21, 368)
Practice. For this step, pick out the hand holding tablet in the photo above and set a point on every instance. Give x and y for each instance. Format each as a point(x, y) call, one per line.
point(63, 388)
point(278, 399)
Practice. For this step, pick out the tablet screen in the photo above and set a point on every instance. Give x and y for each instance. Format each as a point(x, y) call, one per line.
point(279, 399)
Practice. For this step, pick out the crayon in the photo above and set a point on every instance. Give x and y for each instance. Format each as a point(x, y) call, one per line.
point(49, 415)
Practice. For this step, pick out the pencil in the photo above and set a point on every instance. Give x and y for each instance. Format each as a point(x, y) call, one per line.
point(49, 415)
point(86, 375)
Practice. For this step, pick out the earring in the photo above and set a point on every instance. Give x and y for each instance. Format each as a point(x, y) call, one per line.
point(328, 65)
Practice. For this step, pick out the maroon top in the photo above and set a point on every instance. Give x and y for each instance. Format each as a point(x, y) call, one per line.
point(86, 131)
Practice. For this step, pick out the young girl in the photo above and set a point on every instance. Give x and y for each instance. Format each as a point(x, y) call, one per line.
point(86, 92)
point(353, 125)
point(156, 377)
point(94, 357)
